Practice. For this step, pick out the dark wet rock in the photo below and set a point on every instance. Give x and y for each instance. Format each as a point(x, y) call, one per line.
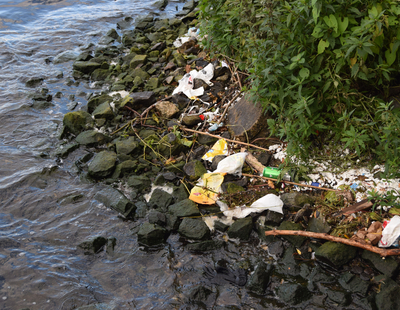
point(215, 161)
point(206, 140)
point(219, 226)
point(6, 242)
point(272, 218)
point(295, 240)
point(246, 119)
point(160, 199)
point(125, 168)
point(137, 60)
point(201, 294)
point(157, 217)
point(318, 225)
point(184, 208)
point(354, 284)
point(103, 111)
point(172, 222)
point(152, 84)
point(141, 209)
point(241, 229)
point(222, 275)
point(145, 99)
point(179, 60)
point(194, 229)
point(194, 169)
point(170, 145)
point(296, 199)
point(114, 199)
point(76, 122)
point(93, 245)
point(260, 278)
point(70, 199)
point(97, 306)
point(203, 246)
point(111, 242)
point(292, 293)
point(126, 146)
point(66, 149)
point(34, 82)
point(139, 182)
point(100, 74)
point(336, 254)
point(287, 265)
point(94, 102)
point(339, 297)
point(151, 234)
point(86, 67)
point(388, 296)
point(66, 56)
point(276, 248)
point(92, 138)
point(103, 164)
point(387, 266)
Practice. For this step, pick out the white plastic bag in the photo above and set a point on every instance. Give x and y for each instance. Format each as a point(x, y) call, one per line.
point(268, 202)
point(186, 83)
point(232, 164)
point(390, 233)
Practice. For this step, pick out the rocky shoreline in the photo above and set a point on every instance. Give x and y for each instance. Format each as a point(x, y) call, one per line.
point(135, 140)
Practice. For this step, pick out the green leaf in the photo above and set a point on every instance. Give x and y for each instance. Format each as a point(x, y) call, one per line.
point(304, 73)
point(343, 22)
point(390, 57)
point(322, 45)
point(354, 69)
point(334, 22)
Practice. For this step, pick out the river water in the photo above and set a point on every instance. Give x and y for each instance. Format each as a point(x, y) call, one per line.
point(46, 210)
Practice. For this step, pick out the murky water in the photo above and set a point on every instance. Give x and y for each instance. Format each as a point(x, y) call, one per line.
point(46, 210)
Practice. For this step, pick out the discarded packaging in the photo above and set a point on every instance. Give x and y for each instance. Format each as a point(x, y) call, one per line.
point(232, 164)
point(207, 189)
point(215, 126)
point(268, 202)
point(390, 233)
point(219, 148)
point(192, 33)
point(272, 172)
point(186, 83)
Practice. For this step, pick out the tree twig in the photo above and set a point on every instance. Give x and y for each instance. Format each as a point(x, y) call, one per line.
point(382, 252)
point(229, 140)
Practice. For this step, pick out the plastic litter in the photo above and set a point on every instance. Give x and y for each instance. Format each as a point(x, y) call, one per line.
point(215, 126)
point(186, 83)
point(268, 202)
point(192, 33)
point(219, 148)
point(207, 189)
point(390, 233)
point(232, 164)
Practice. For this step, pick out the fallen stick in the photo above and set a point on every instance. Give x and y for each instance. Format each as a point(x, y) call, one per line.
point(288, 182)
point(382, 252)
point(229, 140)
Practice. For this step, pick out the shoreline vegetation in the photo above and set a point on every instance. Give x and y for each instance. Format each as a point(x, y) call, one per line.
point(145, 142)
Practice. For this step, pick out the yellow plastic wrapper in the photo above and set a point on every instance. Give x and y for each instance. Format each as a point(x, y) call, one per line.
point(207, 190)
point(219, 148)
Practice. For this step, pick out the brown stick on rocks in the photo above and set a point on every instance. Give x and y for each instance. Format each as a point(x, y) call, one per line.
point(382, 252)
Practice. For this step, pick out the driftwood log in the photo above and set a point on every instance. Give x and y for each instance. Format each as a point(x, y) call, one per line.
point(381, 251)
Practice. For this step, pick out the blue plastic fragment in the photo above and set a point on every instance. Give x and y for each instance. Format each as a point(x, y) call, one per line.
point(354, 186)
point(315, 184)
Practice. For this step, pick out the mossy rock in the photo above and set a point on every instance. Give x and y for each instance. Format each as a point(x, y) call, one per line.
point(76, 122)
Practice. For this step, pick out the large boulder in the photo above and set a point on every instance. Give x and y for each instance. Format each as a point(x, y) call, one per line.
point(103, 164)
point(114, 199)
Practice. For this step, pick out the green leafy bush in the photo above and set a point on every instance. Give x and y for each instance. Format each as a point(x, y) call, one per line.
point(322, 68)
